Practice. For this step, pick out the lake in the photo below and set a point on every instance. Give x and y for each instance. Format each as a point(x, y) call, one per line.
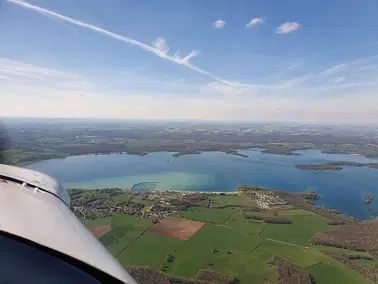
point(214, 171)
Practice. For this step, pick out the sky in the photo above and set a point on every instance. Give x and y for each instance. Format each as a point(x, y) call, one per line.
point(265, 60)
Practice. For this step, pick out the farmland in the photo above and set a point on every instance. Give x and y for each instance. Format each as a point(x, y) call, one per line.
point(239, 200)
point(216, 233)
point(149, 250)
point(210, 215)
point(304, 225)
point(335, 273)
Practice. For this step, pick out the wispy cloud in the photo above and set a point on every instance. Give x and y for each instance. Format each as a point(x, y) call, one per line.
point(287, 28)
point(16, 73)
point(192, 54)
point(334, 69)
point(5, 78)
point(338, 80)
point(219, 24)
point(27, 96)
point(293, 66)
point(255, 22)
point(162, 52)
point(14, 70)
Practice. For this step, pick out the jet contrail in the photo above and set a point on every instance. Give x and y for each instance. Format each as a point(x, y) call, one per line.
point(182, 61)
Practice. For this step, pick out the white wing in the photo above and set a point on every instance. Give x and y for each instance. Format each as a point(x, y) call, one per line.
point(34, 207)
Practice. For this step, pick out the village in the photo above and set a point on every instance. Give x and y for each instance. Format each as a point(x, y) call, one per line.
point(157, 204)
point(154, 205)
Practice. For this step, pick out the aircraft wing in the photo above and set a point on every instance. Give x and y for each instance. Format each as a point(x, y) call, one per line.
point(42, 241)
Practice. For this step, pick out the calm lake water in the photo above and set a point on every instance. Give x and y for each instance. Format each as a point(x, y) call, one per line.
point(213, 171)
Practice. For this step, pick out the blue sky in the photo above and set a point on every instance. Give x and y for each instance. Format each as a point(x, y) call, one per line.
point(308, 61)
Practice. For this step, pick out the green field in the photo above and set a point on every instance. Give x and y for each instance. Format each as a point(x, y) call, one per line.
point(239, 223)
point(98, 222)
point(131, 222)
point(123, 228)
point(241, 264)
point(122, 197)
point(342, 250)
point(76, 193)
point(149, 250)
point(117, 247)
point(260, 214)
point(236, 200)
point(300, 256)
point(304, 225)
point(213, 247)
point(236, 254)
point(211, 215)
point(335, 273)
point(229, 244)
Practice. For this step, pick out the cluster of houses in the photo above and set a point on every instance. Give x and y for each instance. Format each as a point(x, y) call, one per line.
point(92, 207)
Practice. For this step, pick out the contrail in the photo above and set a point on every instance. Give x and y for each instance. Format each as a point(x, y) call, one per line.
point(182, 61)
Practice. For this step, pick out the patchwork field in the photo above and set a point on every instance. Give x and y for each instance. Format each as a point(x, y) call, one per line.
point(222, 237)
point(123, 226)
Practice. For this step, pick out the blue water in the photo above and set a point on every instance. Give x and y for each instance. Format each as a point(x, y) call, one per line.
point(213, 171)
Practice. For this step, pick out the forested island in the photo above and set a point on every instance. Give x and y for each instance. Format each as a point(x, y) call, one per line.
point(335, 166)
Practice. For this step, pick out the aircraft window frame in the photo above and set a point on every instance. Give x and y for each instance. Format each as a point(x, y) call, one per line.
point(10, 243)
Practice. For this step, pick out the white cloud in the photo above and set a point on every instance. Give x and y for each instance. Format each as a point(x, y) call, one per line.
point(255, 22)
point(161, 45)
point(162, 53)
point(192, 54)
point(287, 28)
point(219, 24)
point(339, 80)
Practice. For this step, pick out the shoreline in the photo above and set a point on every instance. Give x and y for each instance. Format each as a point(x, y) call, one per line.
point(232, 152)
point(313, 207)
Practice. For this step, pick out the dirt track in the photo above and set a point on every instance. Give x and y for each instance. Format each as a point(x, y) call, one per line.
point(176, 228)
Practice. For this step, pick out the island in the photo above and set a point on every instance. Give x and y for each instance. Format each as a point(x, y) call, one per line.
point(319, 167)
point(285, 151)
point(206, 237)
point(369, 199)
point(198, 152)
point(335, 166)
